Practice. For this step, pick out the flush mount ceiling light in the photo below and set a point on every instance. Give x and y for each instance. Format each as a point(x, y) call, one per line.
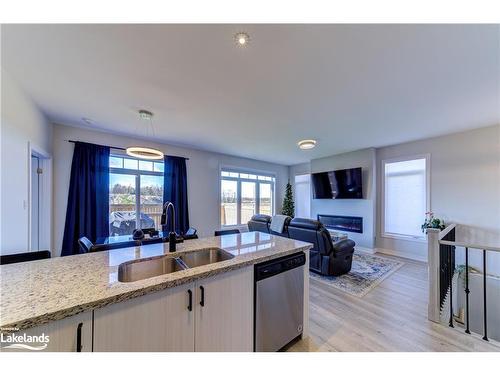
point(145, 115)
point(306, 144)
point(242, 39)
point(141, 152)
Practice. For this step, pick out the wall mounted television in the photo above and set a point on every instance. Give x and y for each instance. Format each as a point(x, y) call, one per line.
point(340, 184)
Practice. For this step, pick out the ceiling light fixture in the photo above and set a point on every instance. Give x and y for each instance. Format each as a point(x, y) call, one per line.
point(144, 153)
point(306, 144)
point(242, 39)
point(141, 152)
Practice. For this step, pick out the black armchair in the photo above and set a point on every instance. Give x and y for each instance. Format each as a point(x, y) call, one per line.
point(325, 257)
point(259, 223)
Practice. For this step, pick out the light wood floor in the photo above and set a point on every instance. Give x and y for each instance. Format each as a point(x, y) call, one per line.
point(391, 317)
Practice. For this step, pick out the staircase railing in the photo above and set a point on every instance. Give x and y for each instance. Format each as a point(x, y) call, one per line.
point(441, 262)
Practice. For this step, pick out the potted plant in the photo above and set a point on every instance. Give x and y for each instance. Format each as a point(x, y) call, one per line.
point(432, 222)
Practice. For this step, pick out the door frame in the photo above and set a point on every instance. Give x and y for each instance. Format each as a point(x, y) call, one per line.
point(45, 197)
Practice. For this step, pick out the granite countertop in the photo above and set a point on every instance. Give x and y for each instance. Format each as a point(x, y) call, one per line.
point(38, 292)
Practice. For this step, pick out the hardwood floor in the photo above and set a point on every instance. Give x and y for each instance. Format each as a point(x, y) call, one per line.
point(391, 317)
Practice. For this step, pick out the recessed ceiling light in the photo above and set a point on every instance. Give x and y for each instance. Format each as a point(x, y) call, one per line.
point(242, 39)
point(307, 144)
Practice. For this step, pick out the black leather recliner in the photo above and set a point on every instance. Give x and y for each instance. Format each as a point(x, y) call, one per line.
point(325, 257)
point(259, 223)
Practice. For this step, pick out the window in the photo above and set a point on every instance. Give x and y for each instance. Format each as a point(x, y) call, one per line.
point(303, 195)
point(244, 194)
point(405, 197)
point(135, 190)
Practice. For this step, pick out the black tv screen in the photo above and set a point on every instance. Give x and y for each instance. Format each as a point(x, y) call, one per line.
point(341, 184)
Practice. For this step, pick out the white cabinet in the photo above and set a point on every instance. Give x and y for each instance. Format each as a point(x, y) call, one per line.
point(163, 321)
point(160, 321)
point(224, 312)
point(70, 334)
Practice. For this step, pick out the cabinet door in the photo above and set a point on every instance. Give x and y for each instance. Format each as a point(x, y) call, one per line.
point(224, 312)
point(70, 334)
point(159, 321)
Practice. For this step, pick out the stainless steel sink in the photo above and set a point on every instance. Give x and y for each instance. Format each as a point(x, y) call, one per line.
point(145, 268)
point(205, 256)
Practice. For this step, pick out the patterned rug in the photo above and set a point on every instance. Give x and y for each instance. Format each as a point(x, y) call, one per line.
point(366, 273)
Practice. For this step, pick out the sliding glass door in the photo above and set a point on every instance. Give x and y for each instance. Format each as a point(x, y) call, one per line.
point(135, 196)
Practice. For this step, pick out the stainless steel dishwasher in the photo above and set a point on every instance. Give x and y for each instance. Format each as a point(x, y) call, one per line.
point(279, 302)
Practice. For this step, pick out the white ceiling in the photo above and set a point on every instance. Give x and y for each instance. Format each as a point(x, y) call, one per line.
point(348, 86)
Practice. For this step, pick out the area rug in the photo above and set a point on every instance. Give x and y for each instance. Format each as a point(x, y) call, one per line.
point(366, 273)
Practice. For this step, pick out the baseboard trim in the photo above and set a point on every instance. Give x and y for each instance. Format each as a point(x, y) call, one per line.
point(365, 249)
point(401, 254)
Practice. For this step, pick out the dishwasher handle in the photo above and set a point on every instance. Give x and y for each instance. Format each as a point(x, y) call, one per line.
point(276, 266)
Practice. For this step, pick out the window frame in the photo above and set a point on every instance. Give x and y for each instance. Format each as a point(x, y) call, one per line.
point(397, 236)
point(238, 180)
point(137, 174)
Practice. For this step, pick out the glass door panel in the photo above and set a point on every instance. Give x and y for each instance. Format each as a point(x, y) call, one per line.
point(122, 204)
point(151, 201)
point(265, 199)
point(248, 201)
point(229, 202)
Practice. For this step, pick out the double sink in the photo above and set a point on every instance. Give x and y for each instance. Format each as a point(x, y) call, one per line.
point(145, 268)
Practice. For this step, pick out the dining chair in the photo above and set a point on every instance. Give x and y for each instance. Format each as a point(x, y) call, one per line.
point(112, 246)
point(24, 257)
point(151, 241)
point(85, 244)
point(226, 231)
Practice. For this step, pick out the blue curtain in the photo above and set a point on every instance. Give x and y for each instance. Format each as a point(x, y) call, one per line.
point(175, 191)
point(87, 213)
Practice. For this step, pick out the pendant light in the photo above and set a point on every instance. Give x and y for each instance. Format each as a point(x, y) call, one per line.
point(141, 152)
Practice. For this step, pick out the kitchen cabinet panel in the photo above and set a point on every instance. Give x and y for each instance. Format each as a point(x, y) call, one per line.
point(66, 335)
point(224, 312)
point(159, 321)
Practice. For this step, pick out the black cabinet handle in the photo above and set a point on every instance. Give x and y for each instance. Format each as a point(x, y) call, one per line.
point(79, 337)
point(202, 299)
point(190, 303)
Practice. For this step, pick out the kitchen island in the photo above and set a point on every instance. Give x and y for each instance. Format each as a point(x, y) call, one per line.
point(80, 300)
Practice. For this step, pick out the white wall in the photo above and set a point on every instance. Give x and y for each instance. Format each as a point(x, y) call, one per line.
point(21, 123)
point(202, 168)
point(465, 182)
point(303, 168)
point(350, 207)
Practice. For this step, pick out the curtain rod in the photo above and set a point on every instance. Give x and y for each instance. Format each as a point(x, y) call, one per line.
point(121, 148)
point(116, 148)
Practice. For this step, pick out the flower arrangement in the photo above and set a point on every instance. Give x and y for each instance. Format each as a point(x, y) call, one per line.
point(432, 222)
